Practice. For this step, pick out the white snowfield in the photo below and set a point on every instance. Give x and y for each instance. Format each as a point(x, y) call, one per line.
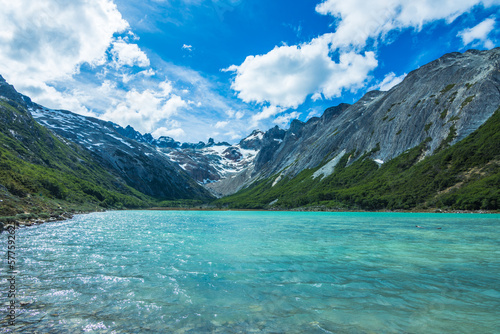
point(329, 168)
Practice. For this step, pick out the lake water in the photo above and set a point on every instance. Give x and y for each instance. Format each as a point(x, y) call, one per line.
point(258, 272)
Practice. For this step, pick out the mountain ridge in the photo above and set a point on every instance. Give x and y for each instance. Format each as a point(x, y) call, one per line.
point(435, 107)
point(445, 100)
point(43, 170)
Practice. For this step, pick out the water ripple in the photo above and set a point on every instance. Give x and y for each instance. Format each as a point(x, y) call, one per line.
point(269, 272)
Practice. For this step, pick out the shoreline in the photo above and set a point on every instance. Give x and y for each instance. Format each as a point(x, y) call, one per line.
point(69, 215)
point(40, 221)
point(318, 209)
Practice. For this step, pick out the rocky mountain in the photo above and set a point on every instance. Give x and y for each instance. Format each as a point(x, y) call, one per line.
point(441, 103)
point(433, 112)
point(80, 160)
point(138, 163)
point(41, 174)
point(142, 159)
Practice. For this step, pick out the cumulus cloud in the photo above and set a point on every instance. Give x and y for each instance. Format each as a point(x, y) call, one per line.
point(187, 47)
point(285, 119)
point(48, 40)
point(146, 109)
point(390, 80)
point(334, 62)
point(221, 124)
point(288, 74)
point(360, 20)
point(314, 113)
point(267, 112)
point(128, 54)
point(176, 133)
point(479, 33)
point(45, 44)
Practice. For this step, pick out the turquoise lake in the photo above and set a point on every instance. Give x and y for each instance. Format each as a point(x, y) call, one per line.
point(258, 272)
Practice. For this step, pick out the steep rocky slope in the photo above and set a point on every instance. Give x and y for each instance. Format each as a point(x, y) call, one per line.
point(40, 173)
point(464, 176)
point(140, 165)
point(80, 161)
point(441, 103)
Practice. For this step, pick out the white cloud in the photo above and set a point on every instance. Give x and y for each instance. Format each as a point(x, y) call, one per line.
point(267, 112)
point(390, 80)
point(128, 54)
point(176, 133)
point(187, 47)
point(49, 40)
point(360, 20)
point(288, 74)
point(314, 113)
point(479, 33)
point(284, 120)
point(45, 44)
point(69, 100)
point(235, 114)
point(221, 124)
point(148, 73)
point(145, 110)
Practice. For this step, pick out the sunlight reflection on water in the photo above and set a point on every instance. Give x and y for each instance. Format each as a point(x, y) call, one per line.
point(241, 272)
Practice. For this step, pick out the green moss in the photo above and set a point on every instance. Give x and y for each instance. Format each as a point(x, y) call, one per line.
point(452, 134)
point(447, 88)
point(467, 101)
point(428, 126)
point(399, 132)
point(444, 114)
point(452, 97)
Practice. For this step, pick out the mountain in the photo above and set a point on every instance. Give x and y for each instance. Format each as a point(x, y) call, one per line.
point(43, 170)
point(139, 164)
point(431, 141)
point(435, 107)
point(160, 167)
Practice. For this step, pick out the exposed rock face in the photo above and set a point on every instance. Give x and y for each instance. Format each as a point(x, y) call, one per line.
point(139, 164)
point(232, 153)
point(253, 141)
point(445, 101)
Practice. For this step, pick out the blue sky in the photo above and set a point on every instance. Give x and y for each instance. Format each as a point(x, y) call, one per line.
point(194, 69)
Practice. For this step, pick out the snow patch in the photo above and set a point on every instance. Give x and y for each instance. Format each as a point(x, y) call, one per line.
point(258, 135)
point(248, 154)
point(378, 161)
point(328, 169)
point(217, 149)
point(278, 179)
point(120, 139)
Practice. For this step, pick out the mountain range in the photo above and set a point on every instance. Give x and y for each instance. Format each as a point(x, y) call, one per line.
point(429, 142)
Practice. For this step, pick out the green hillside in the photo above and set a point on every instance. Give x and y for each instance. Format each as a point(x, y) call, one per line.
point(39, 172)
point(465, 176)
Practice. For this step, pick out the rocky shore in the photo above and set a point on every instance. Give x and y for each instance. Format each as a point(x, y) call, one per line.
point(25, 220)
